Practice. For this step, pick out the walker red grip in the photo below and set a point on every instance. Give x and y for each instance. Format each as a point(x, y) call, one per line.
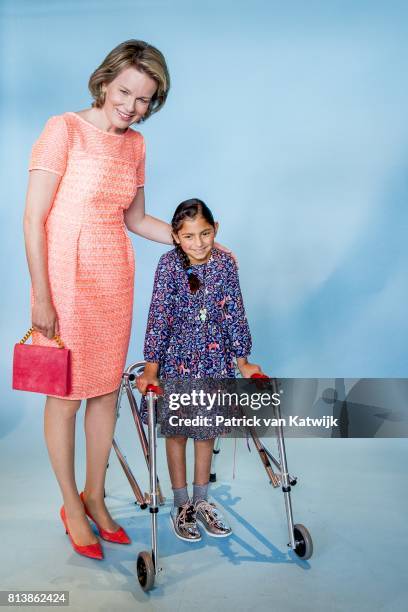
point(155, 389)
point(259, 380)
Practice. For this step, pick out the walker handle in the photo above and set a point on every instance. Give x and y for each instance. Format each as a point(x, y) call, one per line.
point(156, 390)
point(259, 380)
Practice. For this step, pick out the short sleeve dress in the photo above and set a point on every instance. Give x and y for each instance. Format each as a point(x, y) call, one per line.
point(89, 253)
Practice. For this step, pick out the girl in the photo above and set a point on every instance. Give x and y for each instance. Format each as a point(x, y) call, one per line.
point(196, 328)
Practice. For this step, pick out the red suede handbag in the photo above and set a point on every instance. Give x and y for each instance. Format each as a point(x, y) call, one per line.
point(42, 369)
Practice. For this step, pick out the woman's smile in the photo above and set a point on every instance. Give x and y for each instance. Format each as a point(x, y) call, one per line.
point(124, 116)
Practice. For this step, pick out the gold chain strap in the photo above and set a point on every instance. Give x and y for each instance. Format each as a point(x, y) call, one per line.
point(30, 331)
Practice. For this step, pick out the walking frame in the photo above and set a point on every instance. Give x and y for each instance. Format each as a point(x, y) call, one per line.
point(147, 567)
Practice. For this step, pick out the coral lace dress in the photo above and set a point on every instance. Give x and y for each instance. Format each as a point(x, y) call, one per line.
point(90, 255)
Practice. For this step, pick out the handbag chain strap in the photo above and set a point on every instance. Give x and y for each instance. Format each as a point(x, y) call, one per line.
point(30, 331)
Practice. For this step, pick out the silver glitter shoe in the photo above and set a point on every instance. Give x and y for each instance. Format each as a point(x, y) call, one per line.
point(211, 519)
point(184, 522)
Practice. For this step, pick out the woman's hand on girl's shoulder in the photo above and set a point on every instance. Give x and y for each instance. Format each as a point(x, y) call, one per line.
point(226, 250)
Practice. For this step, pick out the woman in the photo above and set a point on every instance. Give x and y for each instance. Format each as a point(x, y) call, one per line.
point(85, 188)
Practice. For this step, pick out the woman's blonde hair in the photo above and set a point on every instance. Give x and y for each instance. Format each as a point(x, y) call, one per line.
point(137, 54)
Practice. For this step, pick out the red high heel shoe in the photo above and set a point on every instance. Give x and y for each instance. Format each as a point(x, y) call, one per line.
point(94, 551)
point(118, 537)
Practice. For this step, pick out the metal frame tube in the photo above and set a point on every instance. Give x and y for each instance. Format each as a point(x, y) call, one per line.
point(215, 453)
point(129, 475)
point(151, 400)
point(286, 488)
point(126, 386)
point(274, 478)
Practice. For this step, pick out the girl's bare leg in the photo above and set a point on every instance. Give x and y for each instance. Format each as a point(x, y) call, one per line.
point(100, 420)
point(59, 430)
point(176, 460)
point(202, 460)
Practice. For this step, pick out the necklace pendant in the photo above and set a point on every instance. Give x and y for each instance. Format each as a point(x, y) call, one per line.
point(203, 314)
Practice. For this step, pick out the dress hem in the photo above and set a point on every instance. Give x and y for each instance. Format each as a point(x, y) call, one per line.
point(81, 397)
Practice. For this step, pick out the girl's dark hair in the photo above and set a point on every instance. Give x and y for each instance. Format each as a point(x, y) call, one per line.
point(189, 209)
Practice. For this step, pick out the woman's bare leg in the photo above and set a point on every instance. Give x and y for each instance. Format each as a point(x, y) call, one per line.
point(176, 460)
point(59, 430)
point(100, 420)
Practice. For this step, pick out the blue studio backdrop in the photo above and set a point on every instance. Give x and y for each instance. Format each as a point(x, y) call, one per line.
point(287, 119)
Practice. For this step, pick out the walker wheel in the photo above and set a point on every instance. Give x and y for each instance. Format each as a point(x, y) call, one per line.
point(304, 546)
point(145, 570)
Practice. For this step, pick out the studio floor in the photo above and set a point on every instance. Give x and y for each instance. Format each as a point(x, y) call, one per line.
point(351, 495)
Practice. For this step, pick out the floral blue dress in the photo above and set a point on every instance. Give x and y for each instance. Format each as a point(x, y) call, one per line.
point(187, 345)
